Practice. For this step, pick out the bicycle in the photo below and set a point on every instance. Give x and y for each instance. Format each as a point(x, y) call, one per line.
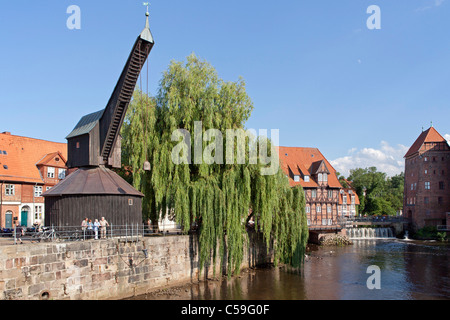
point(45, 234)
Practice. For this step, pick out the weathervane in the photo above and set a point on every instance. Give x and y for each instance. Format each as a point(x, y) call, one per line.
point(146, 4)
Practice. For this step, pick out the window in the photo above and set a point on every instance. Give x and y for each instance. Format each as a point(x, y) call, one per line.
point(329, 209)
point(78, 145)
point(441, 185)
point(5, 167)
point(10, 190)
point(344, 199)
point(314, 193)
point(415, 186)
point(130, 202)
point(353, 200)
point(38, 212)
point(61, 174)
point(427, 185)
point(308, 209)
point(306, 179)
point(426, 171)
point(426, 200)
point(37, 191)
point(426, 159)
point(50, 172)
point(412, 186)
point(318, 208)
point(325, 177)
point(319, 178)
point(47, 188)
point(296, 178)
point(344, 209)
point(330, 194)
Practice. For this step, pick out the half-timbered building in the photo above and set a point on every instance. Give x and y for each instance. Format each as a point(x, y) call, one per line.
point(327, 201)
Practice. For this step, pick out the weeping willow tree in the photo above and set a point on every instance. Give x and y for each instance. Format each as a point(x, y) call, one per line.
point(220, 198)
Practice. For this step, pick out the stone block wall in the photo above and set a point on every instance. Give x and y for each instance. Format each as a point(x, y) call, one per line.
point(107, 269)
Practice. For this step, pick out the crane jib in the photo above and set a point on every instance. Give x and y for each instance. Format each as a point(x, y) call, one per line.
point(115, 111)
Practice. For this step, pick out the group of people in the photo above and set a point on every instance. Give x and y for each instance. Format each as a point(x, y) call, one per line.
point(90, 229)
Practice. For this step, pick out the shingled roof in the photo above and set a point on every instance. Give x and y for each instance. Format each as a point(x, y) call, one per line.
point(92, 181)
point(86, 124)
point(430, 135)
point(18, 162)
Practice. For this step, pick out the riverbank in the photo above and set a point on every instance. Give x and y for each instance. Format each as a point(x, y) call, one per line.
point(107, 269)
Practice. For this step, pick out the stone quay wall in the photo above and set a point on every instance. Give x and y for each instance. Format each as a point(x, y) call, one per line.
point(108, 269)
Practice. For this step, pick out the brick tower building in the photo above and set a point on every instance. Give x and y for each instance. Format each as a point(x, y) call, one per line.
point(427, 180)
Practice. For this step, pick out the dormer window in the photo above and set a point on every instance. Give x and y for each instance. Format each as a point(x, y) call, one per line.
point(319, 177)
point(325, 177)
point(50, 172)
point(61, 174)
point(297, 178)
point(306, 179)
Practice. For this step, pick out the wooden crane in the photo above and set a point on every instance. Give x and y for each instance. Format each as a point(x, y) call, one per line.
point(95, 140)
point(94, 147)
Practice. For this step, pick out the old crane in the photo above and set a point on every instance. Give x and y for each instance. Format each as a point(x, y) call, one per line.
point(93, 190)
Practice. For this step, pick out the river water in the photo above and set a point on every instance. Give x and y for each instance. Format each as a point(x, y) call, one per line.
point(409, 270)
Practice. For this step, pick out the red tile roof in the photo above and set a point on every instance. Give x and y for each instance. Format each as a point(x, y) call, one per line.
point(306, 160)
point(22, 156)
point(55, 159)
point(430, 135)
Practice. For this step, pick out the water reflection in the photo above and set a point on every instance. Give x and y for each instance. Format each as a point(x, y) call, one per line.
point(409, 270)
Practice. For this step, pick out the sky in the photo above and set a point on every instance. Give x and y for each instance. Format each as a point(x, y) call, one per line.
point(313, 68)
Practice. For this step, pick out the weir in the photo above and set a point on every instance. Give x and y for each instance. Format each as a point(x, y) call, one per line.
point(370, 233)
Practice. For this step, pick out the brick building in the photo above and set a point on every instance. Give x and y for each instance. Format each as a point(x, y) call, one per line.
point(326, 199)
point(28, 167)
point(427, 180)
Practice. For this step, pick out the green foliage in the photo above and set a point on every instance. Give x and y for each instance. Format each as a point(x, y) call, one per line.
point(430, 232)
point(441, 236)
point(378, 194)
point(220, 198)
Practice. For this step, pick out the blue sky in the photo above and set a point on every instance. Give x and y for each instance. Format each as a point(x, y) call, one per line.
point(313, 69)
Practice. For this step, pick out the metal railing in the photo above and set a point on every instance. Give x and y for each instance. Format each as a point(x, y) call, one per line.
point(128, 232)
point(379, 219)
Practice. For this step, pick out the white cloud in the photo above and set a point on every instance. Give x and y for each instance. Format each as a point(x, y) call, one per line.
point(387, 158)
point(436, 3)
point(447, 137)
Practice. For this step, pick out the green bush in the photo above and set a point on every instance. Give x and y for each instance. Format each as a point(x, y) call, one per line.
point(441, 236)
point(428, 232)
